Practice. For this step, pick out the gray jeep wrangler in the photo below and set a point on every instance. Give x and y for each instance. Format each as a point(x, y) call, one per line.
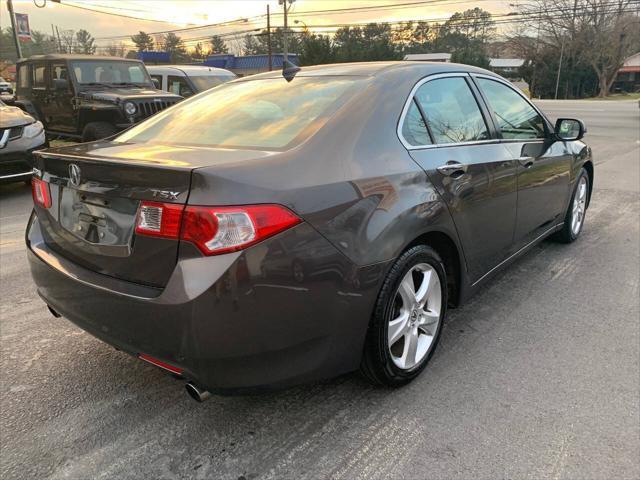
point(87, 97)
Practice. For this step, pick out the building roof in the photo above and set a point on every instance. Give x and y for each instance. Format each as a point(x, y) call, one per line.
point(506, 62)
point(631, 64)
point(428, 57)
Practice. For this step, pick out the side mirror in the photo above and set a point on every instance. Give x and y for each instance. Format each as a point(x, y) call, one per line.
point(156, 83)
point(570, 129)
point(60, 84)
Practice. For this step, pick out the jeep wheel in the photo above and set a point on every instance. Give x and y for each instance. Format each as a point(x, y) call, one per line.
point(97, 130)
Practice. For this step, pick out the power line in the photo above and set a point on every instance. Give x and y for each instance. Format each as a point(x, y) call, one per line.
point(112, 13)
point(335, 11)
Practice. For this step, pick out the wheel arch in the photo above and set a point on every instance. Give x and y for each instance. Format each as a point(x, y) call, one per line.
point(452, 257)
point(588, 166)
point(88, 115)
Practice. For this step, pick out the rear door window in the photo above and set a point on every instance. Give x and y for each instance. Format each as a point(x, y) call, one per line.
point(453, 115)
point(414, 130)
point(179, 86)
point(23, 76)
point(516, 118)
point(38, 76)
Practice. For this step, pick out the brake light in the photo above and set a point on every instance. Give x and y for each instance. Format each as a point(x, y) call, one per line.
point(159, 219)
point(41, 193)
point(216, 230)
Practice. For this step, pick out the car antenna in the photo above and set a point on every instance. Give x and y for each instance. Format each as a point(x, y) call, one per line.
point(289, 70)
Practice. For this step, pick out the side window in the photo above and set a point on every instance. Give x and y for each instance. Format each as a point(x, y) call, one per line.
point(516, 118)
point(38, 76)
point(452, 112)
point(179, 86)
point(414, 129)
point(59, 72)
point(158, 79)
point(23, 76)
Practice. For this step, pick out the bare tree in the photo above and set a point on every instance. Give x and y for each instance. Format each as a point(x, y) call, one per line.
point(600, 33)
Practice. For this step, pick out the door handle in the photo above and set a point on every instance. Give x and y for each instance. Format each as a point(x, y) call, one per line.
point(526, 162)
point(450, 168)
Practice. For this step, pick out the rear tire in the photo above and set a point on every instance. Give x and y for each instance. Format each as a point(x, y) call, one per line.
point(576, 211)
point(97, 131)
point(396, 351)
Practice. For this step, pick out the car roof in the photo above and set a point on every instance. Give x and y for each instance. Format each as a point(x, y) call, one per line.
point(377, 68)
point(189, 69)
point(74, 56)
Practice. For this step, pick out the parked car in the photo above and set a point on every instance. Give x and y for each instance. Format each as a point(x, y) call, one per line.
point(20, 136)
point(187, 80)
point(87, 97)
point(410, 184)
point(5, 87)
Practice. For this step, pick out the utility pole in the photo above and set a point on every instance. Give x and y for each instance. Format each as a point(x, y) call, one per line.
point(559, 70)
point(269, 38)
point(13, 27)
point(59, 41)
point(285, 43)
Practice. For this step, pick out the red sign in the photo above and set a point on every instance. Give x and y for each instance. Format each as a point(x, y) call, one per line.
point(22, 26)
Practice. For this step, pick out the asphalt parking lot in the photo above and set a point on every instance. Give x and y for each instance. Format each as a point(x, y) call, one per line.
point(538, 376)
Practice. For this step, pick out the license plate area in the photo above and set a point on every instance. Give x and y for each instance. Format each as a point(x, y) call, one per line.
point(97, 219)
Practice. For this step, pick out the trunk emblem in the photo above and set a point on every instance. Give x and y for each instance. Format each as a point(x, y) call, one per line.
point(74, 174)
point(165, 194)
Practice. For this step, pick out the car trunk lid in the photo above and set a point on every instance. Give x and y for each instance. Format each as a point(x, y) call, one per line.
point(95, 199)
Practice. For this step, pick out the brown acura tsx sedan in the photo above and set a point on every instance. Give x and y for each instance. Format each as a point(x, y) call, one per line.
point(270, 232)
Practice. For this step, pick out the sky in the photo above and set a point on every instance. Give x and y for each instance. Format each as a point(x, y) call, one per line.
point(159, 15)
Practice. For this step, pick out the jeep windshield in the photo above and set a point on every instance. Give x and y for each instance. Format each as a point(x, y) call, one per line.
point(110, 73)
point(260, 114)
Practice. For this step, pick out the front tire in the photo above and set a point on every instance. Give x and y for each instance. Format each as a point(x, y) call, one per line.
point(574, 218)
point(97, 131)
point(407, 320)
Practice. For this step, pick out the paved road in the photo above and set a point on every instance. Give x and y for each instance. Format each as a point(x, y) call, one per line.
point(536, 377)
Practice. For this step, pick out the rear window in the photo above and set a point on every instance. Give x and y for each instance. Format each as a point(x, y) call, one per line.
point(268, 114)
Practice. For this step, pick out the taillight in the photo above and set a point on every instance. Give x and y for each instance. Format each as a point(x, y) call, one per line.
point(159, 219)
point(216, 230)
point(40, 192)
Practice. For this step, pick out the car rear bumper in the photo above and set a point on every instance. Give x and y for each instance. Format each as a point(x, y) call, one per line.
point(230, 321)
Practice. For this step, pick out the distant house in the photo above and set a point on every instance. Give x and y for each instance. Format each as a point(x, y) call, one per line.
point(507, 67)
point(628, 78)
point(249, 64)
point(428, 57)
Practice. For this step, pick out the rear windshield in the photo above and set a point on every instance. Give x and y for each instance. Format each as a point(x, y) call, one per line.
point(268, 114)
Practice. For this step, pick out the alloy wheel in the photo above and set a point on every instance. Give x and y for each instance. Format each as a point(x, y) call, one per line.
point(579, 206)
point(415, 316)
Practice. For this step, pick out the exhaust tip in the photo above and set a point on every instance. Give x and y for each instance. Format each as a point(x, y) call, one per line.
point(53, 312)
point(195, 392)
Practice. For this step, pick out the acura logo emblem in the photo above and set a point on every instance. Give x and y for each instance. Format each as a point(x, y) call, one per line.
point(74, 174)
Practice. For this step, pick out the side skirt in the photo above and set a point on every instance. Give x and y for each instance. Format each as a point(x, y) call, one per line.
point(519, 253)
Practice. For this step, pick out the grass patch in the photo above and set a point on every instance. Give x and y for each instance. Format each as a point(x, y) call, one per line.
point(619, 96)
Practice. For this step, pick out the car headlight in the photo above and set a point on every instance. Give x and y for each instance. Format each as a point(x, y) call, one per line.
point(33, 130)
point(130, 108)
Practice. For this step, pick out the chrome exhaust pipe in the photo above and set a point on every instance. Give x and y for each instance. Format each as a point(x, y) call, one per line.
point(195, 392)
